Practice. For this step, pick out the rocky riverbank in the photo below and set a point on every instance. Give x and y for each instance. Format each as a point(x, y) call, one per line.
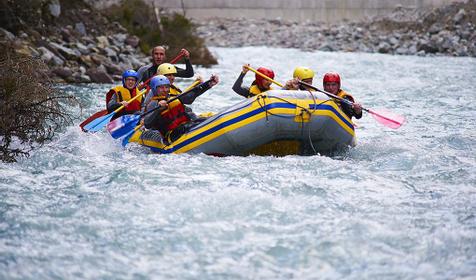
point(449, 30)
point(77, 43)
point(81, 44)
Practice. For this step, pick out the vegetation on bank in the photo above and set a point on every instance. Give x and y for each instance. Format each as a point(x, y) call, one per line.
point(32, 109)
point(155, 27)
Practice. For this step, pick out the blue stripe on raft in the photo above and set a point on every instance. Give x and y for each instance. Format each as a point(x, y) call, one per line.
point(330, 108)
point(243, 117)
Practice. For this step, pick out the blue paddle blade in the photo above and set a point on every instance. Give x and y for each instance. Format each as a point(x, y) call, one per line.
point(122, 125)
point(125, 140)
point(98, 123)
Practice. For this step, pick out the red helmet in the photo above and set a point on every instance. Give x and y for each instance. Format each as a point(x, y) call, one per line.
point(266, 72)
point(331, 77)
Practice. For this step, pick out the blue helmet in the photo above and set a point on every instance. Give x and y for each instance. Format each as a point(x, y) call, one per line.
point(157, 81)
point(129, 74)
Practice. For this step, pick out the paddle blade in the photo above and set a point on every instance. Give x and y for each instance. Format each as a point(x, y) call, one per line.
point(387, 118)
point(122, 125)
point(92, 118)
point(98, 123)
point(126, 139)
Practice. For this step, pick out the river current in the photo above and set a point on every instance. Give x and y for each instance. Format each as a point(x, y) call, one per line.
point(399, 205)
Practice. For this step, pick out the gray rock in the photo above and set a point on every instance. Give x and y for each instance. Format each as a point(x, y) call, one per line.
point(7, 34)
point(110, 52)
point(66, 52)
point(412, 50)
point(384, 47)
point(326, 48)
point(435, 28)
point(55, 8)
point(63, 72)
point(57, 61)
point(401, 50)
point(82, 69)
point(394, 41)
point(427, 46)
point(459, 16)
point(113, 69)
point(80, 28)
point(98, 58)
point(82, 48)
point(120, 38)
point(99, 76)
point(133, 41)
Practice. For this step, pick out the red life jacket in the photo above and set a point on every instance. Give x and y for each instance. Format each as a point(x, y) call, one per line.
point(174, 116)
point(123, 94)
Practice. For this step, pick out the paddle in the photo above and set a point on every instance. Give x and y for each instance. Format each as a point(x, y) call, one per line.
point(105, 112)
point(127, 125)
point(124, 124)
point(263, 75)
point(100, 122)
point(386, 118)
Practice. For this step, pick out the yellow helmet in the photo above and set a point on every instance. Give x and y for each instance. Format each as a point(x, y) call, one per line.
point(303, 73)
point(166, 68)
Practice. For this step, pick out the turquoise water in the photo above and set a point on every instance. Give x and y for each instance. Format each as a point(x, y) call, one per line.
point(400, 205)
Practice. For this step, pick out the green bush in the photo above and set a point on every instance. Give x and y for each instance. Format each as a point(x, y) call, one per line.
point(174, 31)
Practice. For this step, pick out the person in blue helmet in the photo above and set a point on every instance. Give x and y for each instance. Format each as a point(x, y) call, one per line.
point(120, 95)
point(172, 119)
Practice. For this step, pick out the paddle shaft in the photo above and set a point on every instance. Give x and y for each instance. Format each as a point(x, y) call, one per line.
point(330, 94)
point(264, 76)
point(131, 100)
point(173, 98)
point(348, 102)
point(177, 58)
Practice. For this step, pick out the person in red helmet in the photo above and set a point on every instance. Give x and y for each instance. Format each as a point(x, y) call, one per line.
point(258, 86)
point(331, 83)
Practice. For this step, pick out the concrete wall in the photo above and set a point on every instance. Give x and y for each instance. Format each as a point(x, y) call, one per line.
point(299, 10)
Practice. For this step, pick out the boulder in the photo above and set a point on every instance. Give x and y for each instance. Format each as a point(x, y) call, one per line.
point(99, 76)
point(133, 41)
point(63, 72)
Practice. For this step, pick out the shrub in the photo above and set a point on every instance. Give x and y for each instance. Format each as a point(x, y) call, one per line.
point(174, 31)
point(32, 109)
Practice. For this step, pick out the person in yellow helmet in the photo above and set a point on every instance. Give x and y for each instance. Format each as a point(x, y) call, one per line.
point(301, 73)
point(169, 71)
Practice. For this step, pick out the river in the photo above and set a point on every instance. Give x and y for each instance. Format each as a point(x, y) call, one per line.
point(400, 205)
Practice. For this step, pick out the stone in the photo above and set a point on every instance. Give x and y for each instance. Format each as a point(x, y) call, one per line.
point(63, 72)
point(80, 28)
point(98, 58)
point(66, 52)
point(7, 34)
point(99, 76)
point(102, 42)
point(133, 41)
point(384, 47)
point(54, 8)
point(427, 46)
point(459, 16)
point(82, 48)
point(87, 60)
point(113, 68)
point(110, 52)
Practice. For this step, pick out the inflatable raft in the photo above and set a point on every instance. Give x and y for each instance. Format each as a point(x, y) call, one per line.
point(278, 122)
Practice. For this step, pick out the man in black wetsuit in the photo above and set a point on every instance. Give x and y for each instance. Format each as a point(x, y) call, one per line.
point(158, 57)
